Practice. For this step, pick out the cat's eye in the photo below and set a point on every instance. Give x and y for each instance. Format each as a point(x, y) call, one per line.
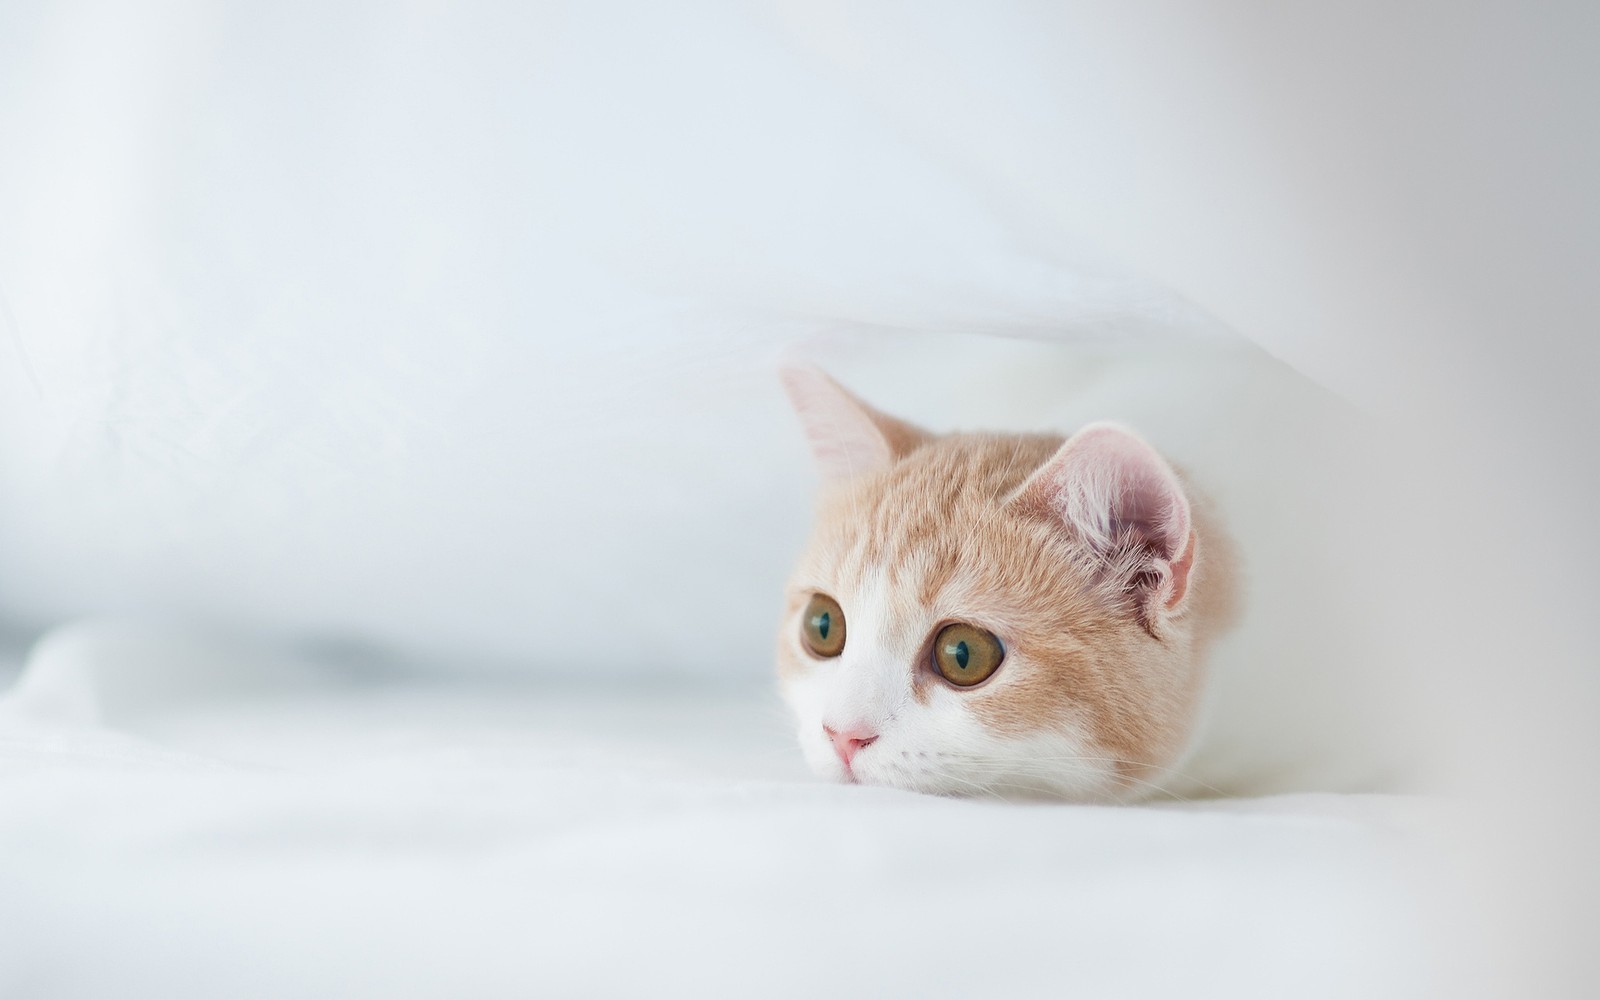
point(822, 626)
point(965, 654)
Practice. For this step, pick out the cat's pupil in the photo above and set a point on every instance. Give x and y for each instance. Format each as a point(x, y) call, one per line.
point(823, 622)
point(961, 655)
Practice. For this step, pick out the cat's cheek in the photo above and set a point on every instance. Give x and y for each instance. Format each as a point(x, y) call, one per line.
point(911, 754)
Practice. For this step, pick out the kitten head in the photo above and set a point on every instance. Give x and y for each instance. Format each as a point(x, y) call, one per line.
point(1011, 614)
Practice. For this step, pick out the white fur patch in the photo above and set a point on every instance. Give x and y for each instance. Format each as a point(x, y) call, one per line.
point(937, 745)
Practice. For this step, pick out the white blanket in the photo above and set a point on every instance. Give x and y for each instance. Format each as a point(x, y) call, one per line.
point(423, 840)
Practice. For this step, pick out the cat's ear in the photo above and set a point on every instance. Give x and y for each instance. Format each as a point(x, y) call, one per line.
point(1122, 498)
point(848, 437)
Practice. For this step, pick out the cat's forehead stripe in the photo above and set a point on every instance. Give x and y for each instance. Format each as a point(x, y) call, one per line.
point(931, 515)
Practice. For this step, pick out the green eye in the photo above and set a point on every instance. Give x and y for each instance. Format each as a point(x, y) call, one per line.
point(822, 626)
point(966, 655)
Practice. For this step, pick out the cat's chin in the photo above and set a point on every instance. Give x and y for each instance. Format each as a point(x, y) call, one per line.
point(1008, 788)
point(924, 784)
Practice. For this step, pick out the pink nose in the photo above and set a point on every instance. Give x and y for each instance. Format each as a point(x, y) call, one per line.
point(848, 742)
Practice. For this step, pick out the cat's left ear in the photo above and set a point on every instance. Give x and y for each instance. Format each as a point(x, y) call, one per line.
point(849, 438)
point(1122, 498)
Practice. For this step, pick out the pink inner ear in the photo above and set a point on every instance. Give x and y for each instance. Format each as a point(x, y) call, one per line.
point(1121, 496)
point(848, 437)
point(1109, 483)
point(1180, 574)
point(843, 439)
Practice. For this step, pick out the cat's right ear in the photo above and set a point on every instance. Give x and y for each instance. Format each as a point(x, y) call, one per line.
point(848, 437)
point(1124, 500)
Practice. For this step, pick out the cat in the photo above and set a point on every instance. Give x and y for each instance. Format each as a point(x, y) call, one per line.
point(1016, 615)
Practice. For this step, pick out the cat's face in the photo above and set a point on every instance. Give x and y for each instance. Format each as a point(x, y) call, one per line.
point(994, 614)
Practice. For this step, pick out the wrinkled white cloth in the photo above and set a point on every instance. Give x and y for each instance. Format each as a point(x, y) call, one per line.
point(424, 841)
point(453, 328)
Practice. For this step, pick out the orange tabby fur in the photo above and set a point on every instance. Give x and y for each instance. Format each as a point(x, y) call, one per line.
point(937, 525)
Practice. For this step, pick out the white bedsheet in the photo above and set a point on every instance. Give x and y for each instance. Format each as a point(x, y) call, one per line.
point(427, 840)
